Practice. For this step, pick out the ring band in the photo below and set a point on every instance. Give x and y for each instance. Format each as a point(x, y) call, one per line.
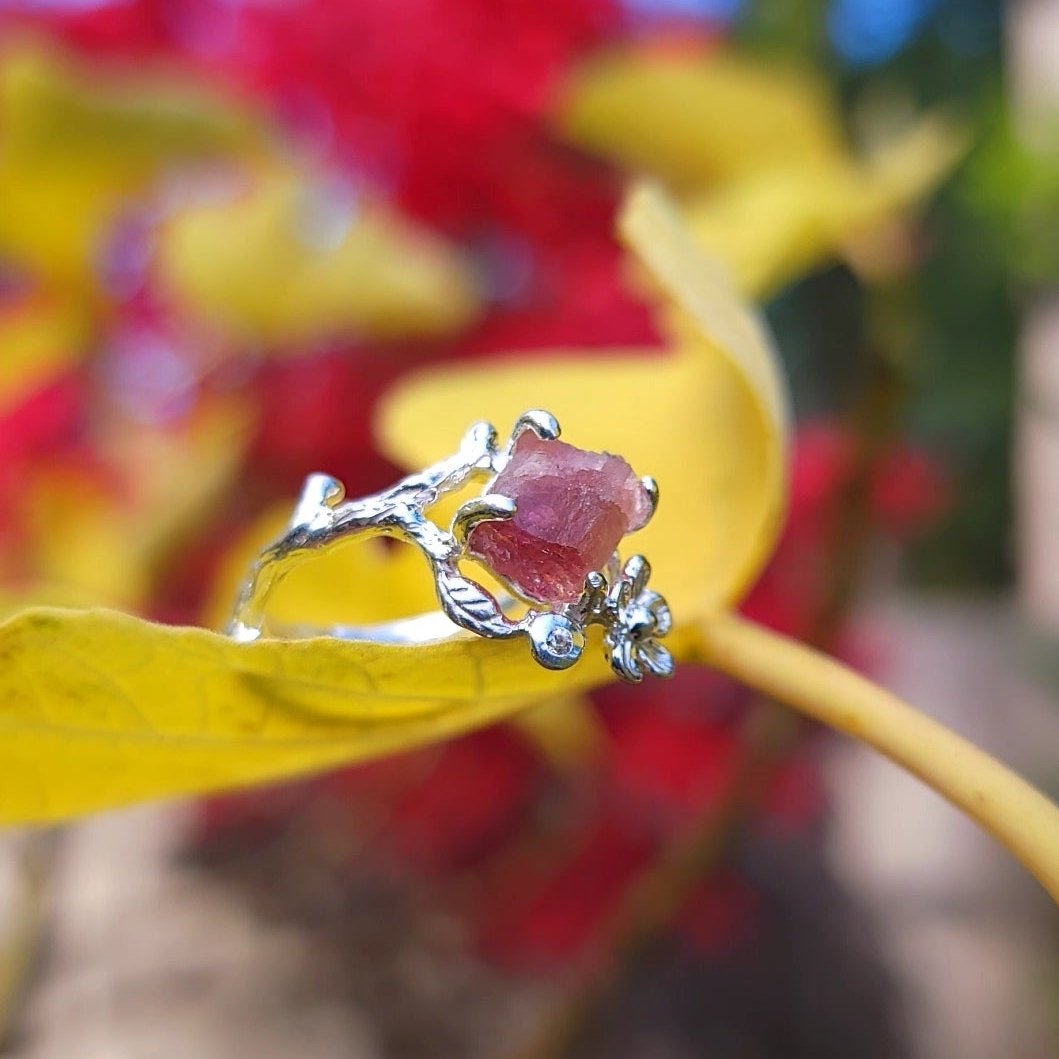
point(546, 510)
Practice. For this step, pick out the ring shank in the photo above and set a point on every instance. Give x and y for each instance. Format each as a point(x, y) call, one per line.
point(431, 627)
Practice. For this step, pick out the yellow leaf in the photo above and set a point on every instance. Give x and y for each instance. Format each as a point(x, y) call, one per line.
point(770, 186)
point(698, 118)
point(785, 221)
point(893, 180)
point(76, 143)
point(100, 709)
point(767, 228)
point(293, 260)
point(706, 419)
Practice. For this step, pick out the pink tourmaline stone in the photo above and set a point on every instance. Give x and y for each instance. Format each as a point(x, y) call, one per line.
point(573, 507)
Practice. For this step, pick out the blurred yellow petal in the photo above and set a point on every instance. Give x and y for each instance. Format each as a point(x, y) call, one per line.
point(768, 228)
point(99, 709)
point(52, 225)
point(757, 153)
point(913, 163)
point(76, 142)
point(57, 110)
point(291, 261)
point(773, 226)
point(893, 180)
point(170, 482)
point(698, 118)
point(707, 419)
point(39, 339)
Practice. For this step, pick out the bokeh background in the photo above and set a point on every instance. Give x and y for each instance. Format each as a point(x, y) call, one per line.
point(228, 227)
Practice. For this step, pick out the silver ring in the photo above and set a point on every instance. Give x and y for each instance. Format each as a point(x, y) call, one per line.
point(518, 528)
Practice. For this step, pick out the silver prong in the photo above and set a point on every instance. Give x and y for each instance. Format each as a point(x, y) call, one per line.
point(542, 423)
point(651, 489)
point(478, 447)
point(320, 493)
point(594, 594)
point(595, 581)
point(489, 508)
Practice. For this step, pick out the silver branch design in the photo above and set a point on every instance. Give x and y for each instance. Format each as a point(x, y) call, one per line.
point(633, 618)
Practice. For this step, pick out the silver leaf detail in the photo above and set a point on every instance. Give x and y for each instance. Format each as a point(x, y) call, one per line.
point(470, 606)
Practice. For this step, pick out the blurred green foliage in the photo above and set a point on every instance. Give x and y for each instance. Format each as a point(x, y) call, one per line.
point(1016, 187)
point(962, 313)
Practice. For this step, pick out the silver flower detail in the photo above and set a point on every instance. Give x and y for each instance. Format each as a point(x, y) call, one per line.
point(635, 619)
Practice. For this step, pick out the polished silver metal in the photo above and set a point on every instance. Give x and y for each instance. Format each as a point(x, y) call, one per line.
point(634, 618)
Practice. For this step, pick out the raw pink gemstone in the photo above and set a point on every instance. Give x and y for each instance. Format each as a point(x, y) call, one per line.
point(573, 507)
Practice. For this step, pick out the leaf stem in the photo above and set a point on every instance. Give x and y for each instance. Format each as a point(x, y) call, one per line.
point(1010, 809)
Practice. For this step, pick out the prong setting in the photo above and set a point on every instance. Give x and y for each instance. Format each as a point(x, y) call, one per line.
point(650, 487)
point(478, 449)
point(541, 423)
point(488, 508)
point(320, 496)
